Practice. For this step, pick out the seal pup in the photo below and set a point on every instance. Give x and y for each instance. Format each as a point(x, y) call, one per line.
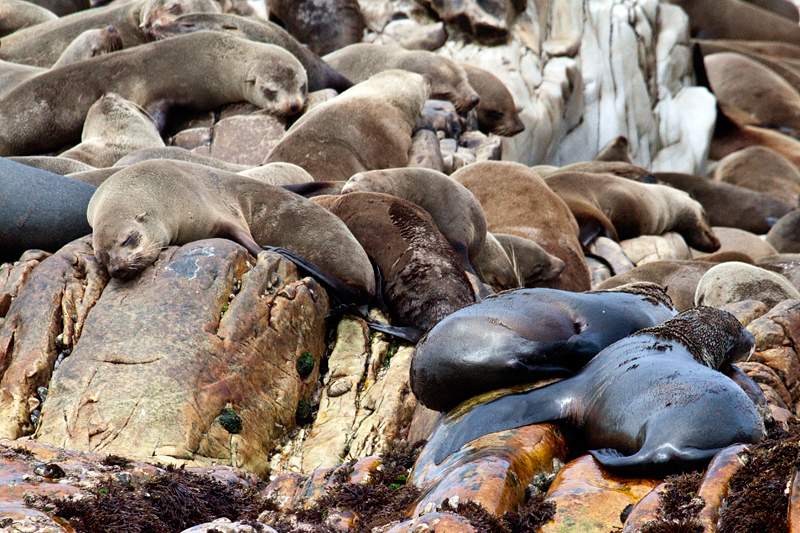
point(457, 213)
point(39, 209)
point(422, 280)
point(531, 262)
point(741, 82)
point(324, 26)
point(320, 74)
point(762, 170)
point(494, 267)
point(114, 127)
point(754, 212)
point(619, 207)
point(496, 110)
point(785, 234)
point(737, 240)
point(641, 405)
point(525, 335)
point(145, 207)
point(229, 70)
point(618, 150)
point(368, 127)
point(447, 80)
point(517, 201)
point(156, 13)
point(733, 282)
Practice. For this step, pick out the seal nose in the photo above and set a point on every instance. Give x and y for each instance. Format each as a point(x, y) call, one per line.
point(295, 107)
point(474, 99)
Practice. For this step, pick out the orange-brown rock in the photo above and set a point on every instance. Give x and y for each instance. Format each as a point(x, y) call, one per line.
point(644, 511)
point(14, 275)
point(794, 503)
point(245, 134)
point(46, 316)
point(195, 360)
point(589, 499)
point(434, 522)
point(714, 485)
point(769, 382)
point(746, 311)
point(493, 470)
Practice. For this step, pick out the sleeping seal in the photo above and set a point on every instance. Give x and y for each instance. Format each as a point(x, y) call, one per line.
point(653, 401)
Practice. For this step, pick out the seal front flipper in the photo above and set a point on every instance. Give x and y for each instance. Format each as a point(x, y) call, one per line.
point(545, 404)
point(237, 233)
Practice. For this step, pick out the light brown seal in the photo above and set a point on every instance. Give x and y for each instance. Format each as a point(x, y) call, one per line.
point(58, 165)
point(632, 208)
point(176, 153)
point(448, 81)
point(494, 268)
point(532, 263)
point(91, 43)
point(734, 19)
point(18, 14)
point(48, 111)
point(114, 127)
point(517, 201)
point(457, 213)
point(496, 110)
point(278, 174)
point(618, 149)
point(422, 279)
point(754, 212)
point(739, 81)
point(157, 13)
point(737, 240)
point(368, 127)
point(785, 234)
point(320, 74)
point(324, 25)
point(762, 170)
point(145, 207)
point(733, 282)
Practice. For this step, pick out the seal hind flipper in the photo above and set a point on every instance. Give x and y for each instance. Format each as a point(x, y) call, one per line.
point(653, 460)
point(508, 412)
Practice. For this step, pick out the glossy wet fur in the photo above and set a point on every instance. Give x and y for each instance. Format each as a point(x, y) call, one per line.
point(642, 405)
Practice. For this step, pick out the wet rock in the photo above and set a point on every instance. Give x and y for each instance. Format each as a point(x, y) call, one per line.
point(202, 332)
point(590, 499)
point(438, 522)
point(45, 319)
point(441, 115)
point(651, 248)
point(770, 383)
point(493, 470)
point(644, 511)
point(746, 311)
point(714, 486)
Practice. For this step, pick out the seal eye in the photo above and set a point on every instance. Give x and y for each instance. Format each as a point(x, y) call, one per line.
point(174, 8)
point(494, 115)
point(269, 93)
point(131, 240)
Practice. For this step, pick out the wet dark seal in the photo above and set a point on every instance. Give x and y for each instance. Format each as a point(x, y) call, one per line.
point(524, 335)
point(652, 402)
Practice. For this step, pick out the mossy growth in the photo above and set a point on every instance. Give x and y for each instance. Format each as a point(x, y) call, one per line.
point(680, 506)
point(231, 421)
point(305, 364)
point(304, 413)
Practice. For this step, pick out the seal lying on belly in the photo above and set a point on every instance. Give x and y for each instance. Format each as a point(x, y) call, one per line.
point(524, 335)
point(147, 206)
point(654, 401)
point(47, 112)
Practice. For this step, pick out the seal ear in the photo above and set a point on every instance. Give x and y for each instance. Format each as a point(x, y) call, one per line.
point(140, 217)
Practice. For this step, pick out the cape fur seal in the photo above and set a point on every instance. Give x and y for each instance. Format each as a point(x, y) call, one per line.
point(785, 234)
point(729, 205)
point(762, 170)
point(618, 150)
point(176, 153)
point(642, 405)
point(157, 13)
point(517, 201)
point(324, 25)
point(145, 207)
point(532, 263)
point(368, 127)
point(320, 74)
point(525, 335)
point(734, 19)
point(114, 127)
point(18, 14)
point(48, 111)
point(496, 110)
point(494, 268)
point(457, 213)
point(627, 209)
point(733, 282)
point(422, 280)
point(448, 81)
point(739, 81)
point(39, 209)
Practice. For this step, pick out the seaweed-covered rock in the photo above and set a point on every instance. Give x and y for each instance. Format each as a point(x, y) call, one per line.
point(195, 360)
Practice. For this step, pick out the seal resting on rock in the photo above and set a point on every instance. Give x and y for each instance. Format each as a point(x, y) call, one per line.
point(48, 111)
point(367, 127)
point(652, 401)
point(524, 335)
point(422, 279)
point(496, 110)
point(145, 207)
point(448, 81)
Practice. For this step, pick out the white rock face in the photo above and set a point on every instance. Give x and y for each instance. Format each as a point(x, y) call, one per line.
point(586, 71)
